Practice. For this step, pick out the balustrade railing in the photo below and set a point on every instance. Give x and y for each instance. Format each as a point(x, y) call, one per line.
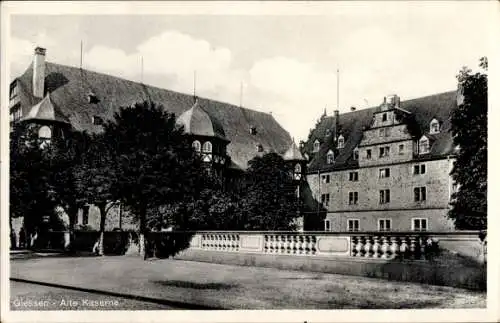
point(293, 244)
point(220, 241)
point(414, 247)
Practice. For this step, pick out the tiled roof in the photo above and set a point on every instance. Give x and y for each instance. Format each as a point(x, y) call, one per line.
point(352, 124)
point(197, 121)
point(293, 153)
point(69, 88)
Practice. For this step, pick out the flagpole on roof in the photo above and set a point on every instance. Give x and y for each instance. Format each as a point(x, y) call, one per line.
point(194, 84)
point(241, 94)
point(142, 69)
point(338, 87)
point(81, 54)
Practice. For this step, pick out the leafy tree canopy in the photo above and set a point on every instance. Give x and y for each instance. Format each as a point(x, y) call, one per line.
point(469, 128)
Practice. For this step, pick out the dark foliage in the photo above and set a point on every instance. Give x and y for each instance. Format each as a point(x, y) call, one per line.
point(270, 201)
point(470, 131)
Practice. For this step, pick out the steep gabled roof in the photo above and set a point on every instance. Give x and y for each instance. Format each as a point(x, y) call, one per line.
point(352, 124)
point(69, 88)
point(293, 153)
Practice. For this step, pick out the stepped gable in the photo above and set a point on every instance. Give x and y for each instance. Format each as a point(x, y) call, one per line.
point(353, 123)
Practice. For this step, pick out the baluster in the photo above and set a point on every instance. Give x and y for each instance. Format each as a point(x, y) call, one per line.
point(360, 247)
point(271, 243)
point(376, 247)
point(422, 243)
point(237, 242)
point(413, 247)
point(275, 243)
point(384, 248)
point(302, 247)
point(295, 244)
point(312, 250)
point(314, 247)
point(394, 247)
point(282, 241)
point(354, 243)
point(266, 239)
point(404, 247)
point(368, 247)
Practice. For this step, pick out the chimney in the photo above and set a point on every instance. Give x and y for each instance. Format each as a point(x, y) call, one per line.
point(39, 72)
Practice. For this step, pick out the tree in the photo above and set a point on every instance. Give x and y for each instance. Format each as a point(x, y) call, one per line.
point(65, 158)
point(470, 132)
point(270, 201)
point(152, 159)
point(29, 177)
point(96, 180)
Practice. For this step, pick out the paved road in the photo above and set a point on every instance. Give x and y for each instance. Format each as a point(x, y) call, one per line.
point(34, 297)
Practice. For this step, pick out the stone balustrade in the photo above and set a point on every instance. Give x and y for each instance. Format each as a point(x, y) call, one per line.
point(363, 245)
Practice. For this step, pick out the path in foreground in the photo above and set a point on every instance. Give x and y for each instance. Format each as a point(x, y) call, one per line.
point(237, 287)
point(34, 297)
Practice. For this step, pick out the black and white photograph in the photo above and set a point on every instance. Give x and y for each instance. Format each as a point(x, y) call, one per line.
point(217, 157)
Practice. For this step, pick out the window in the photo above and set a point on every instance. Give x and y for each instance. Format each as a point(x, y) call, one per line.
point(13, 90)
point(368, 154)
point(353, 176)
point(384, 117)
point(92, 98)
point(327, 225)
point(97, 121)
point(44, 133)
point(330, 157)
point(207, 147)
point(401, 149)
point(316, 146)
point(325, 199)
point(298, 172)
point(353, 198)
point(434, 126)
point(381, 132)
point(423, 146)
point(355, 154)
point(197, 146)
point(384, 172)
point(420, 194)
point(341, 142)
point(419, 224)
point(454, 187)
point(16, 113)
point(384, 224)
point(253, 130)
point(260, 148)
point(384, 151)
point(325, 179)
point(385, 196)
point(419, 169)
point(352, 225)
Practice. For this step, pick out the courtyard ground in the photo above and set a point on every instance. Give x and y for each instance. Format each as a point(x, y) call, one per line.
point(236, 287)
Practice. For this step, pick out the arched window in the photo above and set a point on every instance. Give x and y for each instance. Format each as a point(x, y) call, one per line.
point(196, 146)
point(44, 133)
point(330, 157)
point(434, 127)
point(340, 142)
point(423, 145)
point(207, 147)
point(297, 171)
point(316, 146)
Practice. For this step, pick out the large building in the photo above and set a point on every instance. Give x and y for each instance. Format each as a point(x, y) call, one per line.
point(55, 97)
point(385, 168)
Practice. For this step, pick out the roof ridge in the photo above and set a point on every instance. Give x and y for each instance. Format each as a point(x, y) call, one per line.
point(232, 105)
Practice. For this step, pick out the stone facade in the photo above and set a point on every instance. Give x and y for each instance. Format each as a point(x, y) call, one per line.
point(385, 181)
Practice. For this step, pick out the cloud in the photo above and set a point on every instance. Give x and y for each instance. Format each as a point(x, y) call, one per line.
point(170, 59)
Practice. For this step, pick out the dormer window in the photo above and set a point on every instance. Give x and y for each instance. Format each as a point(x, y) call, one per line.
point(97, 121)
point(197, 146)
point(423, 145)
point(330, 157)
point(328, 132)
point(260, 148)
point(434, 127)
point(253, 130)
point(92, 98)
point(13, 90)
point(355, 153)
point(316, 146)
point(340, 142)
point(207, 147)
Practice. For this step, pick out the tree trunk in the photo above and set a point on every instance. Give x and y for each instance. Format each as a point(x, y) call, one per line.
point(102, 226)
point(142, 231)
point(72, 215)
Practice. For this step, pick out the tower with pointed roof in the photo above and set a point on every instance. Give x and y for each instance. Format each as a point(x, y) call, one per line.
point(298, 164)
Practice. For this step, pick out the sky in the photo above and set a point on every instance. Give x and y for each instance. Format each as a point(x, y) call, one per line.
point(284, 64)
